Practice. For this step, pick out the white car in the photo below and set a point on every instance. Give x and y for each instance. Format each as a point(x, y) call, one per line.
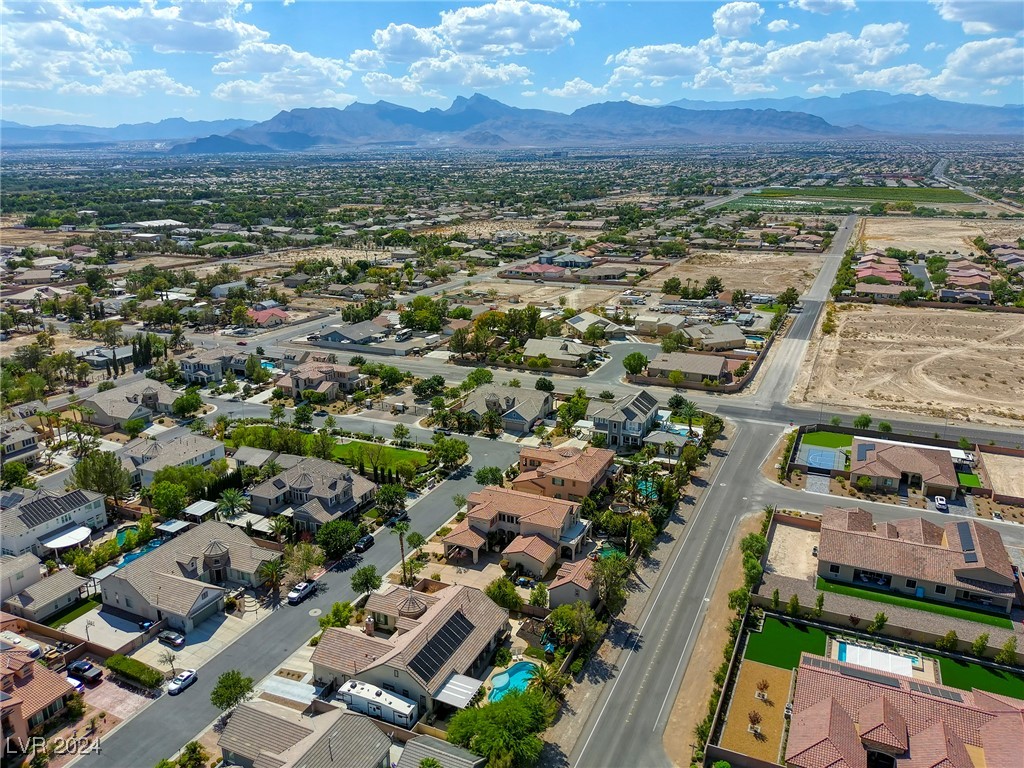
point(76, 684)
point(300, 592)
point(940, 504)
point(182, 680)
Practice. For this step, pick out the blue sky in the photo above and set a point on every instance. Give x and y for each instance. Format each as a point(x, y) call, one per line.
point(104, 63)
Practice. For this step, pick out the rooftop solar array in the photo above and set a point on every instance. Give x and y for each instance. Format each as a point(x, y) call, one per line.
point(831, 666)
point(966, 539)
point(870, 677)
point(862, 450)
point(939, 693)
point(970, 557)
point(441, 646)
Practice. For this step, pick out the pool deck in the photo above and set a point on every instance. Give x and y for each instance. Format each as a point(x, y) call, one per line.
point(927, 673)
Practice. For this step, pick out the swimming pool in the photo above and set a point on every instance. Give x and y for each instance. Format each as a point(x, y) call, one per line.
point(647, 489)
point(880, 660)
point(267, 365)
point(148, 547)
point(515, 678)
point(123, 533)
point(756, 339)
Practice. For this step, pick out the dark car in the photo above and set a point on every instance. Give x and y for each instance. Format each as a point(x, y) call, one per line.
point(173, 639)
point(85, 670)
point(397, 519)
point(242, 343)
point(364, 543)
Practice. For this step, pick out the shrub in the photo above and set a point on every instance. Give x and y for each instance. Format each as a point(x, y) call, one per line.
point(577, 665)
point(503, 657)
point(133, 669)
point(230, 604)
point(948, 642)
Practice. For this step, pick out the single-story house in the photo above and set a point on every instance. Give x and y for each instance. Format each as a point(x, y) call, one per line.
point(54, 593)
point(888, 465)
point(574, 581)
point(694, 367)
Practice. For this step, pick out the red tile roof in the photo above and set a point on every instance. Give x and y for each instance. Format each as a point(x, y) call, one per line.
point(878, 459)
point(34, 684)
point(537, 547)
point(824, 736)
point(580, 573)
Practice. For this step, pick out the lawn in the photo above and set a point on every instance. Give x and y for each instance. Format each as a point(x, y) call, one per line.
point(968, 480)
point(965, 675)
point(390, 457)
point(780, 643)
point(72, 612)
point(827, 439)
point(918, 604)
point(915, 194)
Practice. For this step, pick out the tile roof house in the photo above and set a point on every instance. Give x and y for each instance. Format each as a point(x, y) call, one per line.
point(30, 696)
point(445, 642)
point(574, 581)
point(567, 352)
point(520, 409)
point(135, 400)
point(18, 442)
point(564, 473)
point(719, 337)
point(507, 515)
point(47, 596)
point(31, 519)
point(889, 464)
point(448, 755)
point(625, 421)
point(203, 366)
point(879, 291)
point(268, 318)
point(317, 490)
point(144, 457)
point(581, 323)
point(18, 573)
point(265, 734)
point(694, 367)
point(329, 379)
point(846, 716)
point(961, 562)
point(178, 580)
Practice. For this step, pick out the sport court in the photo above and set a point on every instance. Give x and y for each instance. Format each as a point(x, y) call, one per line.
point(821, 458)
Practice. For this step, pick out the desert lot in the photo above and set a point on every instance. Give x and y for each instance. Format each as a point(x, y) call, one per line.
point(939, 362)
point(760, 272)
point(937, 234)
point(578, 297)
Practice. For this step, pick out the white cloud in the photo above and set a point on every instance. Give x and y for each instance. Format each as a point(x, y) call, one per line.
point(383, 84)
point(934, 47)
point(657, 63)
point(405, 42)
point(641, 100)
point(282, 76)
point(577, 88)
point(824, 6)
point(467, 71)
point(33, 111)
point(507, 27)
point(891, 78)
point(736, 19)
point(782, 25)
point(983, 17)
point(132, 84)
point(366, 60)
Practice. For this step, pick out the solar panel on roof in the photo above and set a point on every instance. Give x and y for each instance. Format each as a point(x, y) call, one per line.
point(442, 646)
point(970, 557)
point(831, 666)
point(870, 677)
point(862, 450)
point(966, 538)
point(939, 693)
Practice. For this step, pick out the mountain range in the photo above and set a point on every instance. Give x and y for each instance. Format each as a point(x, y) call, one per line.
point(482, 122)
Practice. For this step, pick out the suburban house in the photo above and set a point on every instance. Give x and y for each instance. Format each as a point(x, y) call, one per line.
point(538, 271)
point(296, 280)
point(580, 324)
point(602, 273)
point(47, 596)
point(693, 367)
point(135, 400)
point(574, 581)
point(848, 716)
point(447, 755)
point(964, 296)
point(535, 531)
point(203, 366)
point(565, 352)
point(625, 421)
point(564, 473)
point(100, 357)
point(317, 491)
point(963, 563)
point(520, 409)
point(18, 442)
point(436, 654)
point(268, 318)
point(716, 337)
point(31, 696)
point(178, 581)
point(328, 379)
point(47, 520)
point(267, 734)
point(144, 457)
point(892, 466)
point(879, 290)
point(18, 573)
point(221, 291)
point(356, 333)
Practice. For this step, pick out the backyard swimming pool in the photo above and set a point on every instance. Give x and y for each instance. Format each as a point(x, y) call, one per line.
point(647, 489)
point(516, 678)
point(267, 365)
point(136, 554)
point(880, 660)
point(123, 533)
point(756, 339)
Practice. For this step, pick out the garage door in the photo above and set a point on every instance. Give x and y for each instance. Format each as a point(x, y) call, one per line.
point(206, 613)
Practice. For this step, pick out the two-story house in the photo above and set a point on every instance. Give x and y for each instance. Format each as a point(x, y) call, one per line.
point(564, 473)
point(18, 442)
point(520, 409)
point(144, 458)
point(624, 422)
point(535, 531)
point(317, 491)
point(46, 520)
point(203, 366)
point(135, 400)
point(326, 378)
point(31, 696)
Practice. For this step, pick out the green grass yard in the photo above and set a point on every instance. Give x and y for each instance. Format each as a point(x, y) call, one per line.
point(968, 480)
point(780, 643)
point(918, 604)
point(390, 458)
point(827, 439)
point(897, 194)
point(965, 675)
point(72, 612)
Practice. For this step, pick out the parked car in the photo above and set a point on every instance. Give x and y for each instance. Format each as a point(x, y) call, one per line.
point(182, 680)
point(364, 543)
point(940, 504)
point(85, 670)
point(76, 684)
point(300, 592)
point(242, 343)
point(392, 521)
point(173, 639)
point(440, 431)
point(321, 412)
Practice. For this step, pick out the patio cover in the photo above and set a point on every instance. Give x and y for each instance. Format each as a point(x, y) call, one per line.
point(200, 508)
point(458, 690)
point(173, 526)
point(68, 537)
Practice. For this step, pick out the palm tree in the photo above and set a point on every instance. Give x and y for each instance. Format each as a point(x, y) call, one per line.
point(279, 526)
point(146, 494)
point(547, 679)
point(491, 421)
point(231, 502)
point(689, 411)
point(270, 469)
point(401, 528)
point(669, 448)
point(273, 572)
point(48, 417)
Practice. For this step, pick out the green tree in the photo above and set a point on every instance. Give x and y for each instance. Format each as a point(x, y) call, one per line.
point(321, 444)
point(539, 595)
point(793, 606)
point(170, 499)
point(391, 499)
point(430, 762)
point(187, 404)
point(302, 558)
point(336, 538)
point(193, 755)
point(1008, 652)
point(611, 574)
point(102, 471)
point(884, 426)
point(400, 433)
point(576, 621)
point(503, 592)
point(449, 451)
point(400, 529)
point(415, 540)
point(366, 579)
point(14, 474)
point(303, 416)
point(789, 297)
point(980, 645)
point(878, 623)
point(948, 642)
point(548, 680)
point(340, 615)
point(835, 421)
point(232, 689)
point(544, 384)
point(133, 427)
point(862, 422)
point(489, 476)
point(505, 731)
point(231, 502)
point(635, 363)
point(273, 572)
point(491, 422)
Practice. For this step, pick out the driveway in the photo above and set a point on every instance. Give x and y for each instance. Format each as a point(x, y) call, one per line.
point(202, 643)
point(115, 700)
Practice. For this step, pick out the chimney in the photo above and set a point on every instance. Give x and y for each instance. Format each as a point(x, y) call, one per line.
point(368, 626)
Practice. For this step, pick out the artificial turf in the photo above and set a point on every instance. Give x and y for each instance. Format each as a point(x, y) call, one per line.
point(965, 675)
point(72, 612)
point(780, 643)
point(827, 439)
point(968, 480)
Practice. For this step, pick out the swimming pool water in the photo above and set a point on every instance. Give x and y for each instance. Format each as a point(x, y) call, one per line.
point(647, 489)
point(516, 677)
point(268, 365)
point(841, 655)
point(132, 556)
point(121, 534)
point(756, 339)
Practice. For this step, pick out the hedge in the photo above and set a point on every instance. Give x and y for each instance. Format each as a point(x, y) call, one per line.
point(135, 670)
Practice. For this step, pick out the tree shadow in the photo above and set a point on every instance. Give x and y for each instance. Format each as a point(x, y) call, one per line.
point(598, 670)
point(552, 756)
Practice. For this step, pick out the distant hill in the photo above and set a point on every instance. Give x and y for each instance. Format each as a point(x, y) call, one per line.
point(483, 122)
point(890, 113)
point(171, 129)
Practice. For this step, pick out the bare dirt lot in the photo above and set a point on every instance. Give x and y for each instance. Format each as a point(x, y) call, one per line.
point(766, 272)
point(576, 296)
point(943, 235)
point(791, 552)
point(1005, 473)
point(919, 360)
